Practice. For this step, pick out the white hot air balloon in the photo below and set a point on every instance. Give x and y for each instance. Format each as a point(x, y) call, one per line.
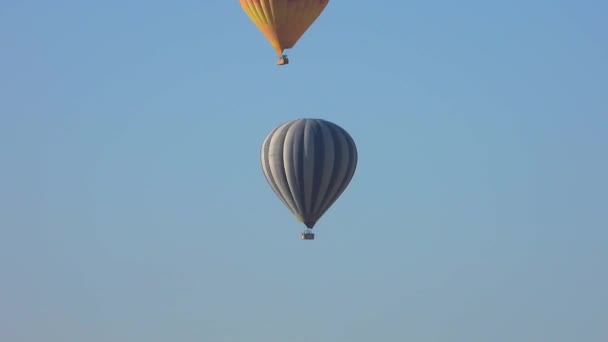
point(308, 163)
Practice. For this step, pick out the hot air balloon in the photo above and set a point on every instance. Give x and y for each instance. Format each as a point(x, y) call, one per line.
point(283, 22)
point(308, 163)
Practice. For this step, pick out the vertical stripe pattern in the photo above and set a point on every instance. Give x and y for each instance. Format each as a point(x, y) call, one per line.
point(308, 164)
point(283, 22)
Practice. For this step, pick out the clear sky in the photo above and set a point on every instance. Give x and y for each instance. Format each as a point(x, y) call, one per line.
point(133, 205)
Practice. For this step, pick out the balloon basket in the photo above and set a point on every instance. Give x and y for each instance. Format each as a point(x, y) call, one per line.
point(307, 235)
point(283, 60)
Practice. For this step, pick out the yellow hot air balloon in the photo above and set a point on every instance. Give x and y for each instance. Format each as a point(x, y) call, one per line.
point(283, 22)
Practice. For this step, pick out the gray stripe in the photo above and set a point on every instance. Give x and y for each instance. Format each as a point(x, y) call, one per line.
point(339, 170)
point(348, 165)
point(298, 165)
point(320, 153)
point(266, 166)
point(274, 158)
point(308, 157)
point(326, 169)
point(289, 158)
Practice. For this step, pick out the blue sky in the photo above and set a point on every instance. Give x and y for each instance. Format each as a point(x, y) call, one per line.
point(133, 205)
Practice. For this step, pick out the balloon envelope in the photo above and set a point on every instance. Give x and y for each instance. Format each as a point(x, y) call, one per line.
point(283, 22)
point(308, 163)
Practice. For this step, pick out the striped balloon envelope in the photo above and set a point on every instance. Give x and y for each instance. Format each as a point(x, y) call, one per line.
point(308, 163)
point(283, 22)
